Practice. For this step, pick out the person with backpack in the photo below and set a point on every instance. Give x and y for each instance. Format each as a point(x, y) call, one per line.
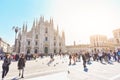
point(118, 53)
point(5, 65)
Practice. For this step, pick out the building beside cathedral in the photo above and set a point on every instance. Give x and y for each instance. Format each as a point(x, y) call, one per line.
point(42, 38)
point(4, 47)
point(116, 34)
point(101, 42)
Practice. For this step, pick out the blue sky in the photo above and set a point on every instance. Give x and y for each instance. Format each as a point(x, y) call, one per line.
point(17, 12)
point(78, 18)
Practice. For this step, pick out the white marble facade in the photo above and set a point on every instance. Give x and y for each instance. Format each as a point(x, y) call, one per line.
point(42, 38)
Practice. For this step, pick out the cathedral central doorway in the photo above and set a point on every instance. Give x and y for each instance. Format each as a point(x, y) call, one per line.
point(46, 50)
point(28, 51)
point(36, 51)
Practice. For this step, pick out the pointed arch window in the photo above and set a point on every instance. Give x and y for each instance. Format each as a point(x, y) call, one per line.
point(46, 30)
point(36, 43)
point(54, 44)
point(28, 51)
point(54, 38)
point(46, 38)
point(59, 44)
point(117, 40)
point(36, 51)
point(28, 42)
point(36, 37)
point(54, 50)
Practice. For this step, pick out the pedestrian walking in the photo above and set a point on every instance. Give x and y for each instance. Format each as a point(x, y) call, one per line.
point(5, 65)
point(118, 53)
point(100, 56)
point(74, 56)
point(84, 61)
point(21, 65)
point(51, 59)
point(70, 57)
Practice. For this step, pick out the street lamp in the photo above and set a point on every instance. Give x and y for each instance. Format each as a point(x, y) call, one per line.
point(16, 29)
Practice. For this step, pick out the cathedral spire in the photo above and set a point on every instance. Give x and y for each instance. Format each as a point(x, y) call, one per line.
point(36, 22)
point(43, 18)
point(52, 21)
point(26, 28)
point(39, 21)
point(33, 27)
point(74, 43)
point(23, 29)
point(57, 29)
point(63, 35)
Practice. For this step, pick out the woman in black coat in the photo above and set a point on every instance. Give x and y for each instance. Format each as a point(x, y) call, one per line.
point(5, 65)
point(21, 65)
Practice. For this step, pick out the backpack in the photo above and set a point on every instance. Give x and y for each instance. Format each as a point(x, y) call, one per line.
point(118, 53)
point(5, 63)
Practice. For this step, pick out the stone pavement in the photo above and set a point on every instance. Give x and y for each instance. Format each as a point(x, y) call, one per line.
point(35, 68)
point(56, 76)
point(58, 70)
point(96, 71)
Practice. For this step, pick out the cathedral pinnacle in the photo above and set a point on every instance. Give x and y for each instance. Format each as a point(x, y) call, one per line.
point(23, 29)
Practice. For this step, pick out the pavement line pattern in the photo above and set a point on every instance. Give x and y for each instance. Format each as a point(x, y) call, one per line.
point(103, 77)
point(38, 73)
point(115, 77)
point(57, 76)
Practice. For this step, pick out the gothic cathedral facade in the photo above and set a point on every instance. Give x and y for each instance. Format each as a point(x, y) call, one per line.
point(42, 38)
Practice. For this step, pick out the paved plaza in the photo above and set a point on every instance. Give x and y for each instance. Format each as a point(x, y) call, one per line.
point(96, 71)
point(58, 70)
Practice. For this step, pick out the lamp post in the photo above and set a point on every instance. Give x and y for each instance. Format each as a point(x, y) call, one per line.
point(16, 29)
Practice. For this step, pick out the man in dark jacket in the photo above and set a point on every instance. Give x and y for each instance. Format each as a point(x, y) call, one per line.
point(70, 57)
point(21, 65)
point(84, 57)
point(5, 65)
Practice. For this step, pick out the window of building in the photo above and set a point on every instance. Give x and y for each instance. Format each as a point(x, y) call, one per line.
point(117, 40)
point(28, 51)
point(46, 50)
point(59, 44)
point(28, 42)
point(60, 51)
point(54, 38)
point(46, 30)
point(54, 50)
point(36, 37)
point(54, 44)
point(36, 50)
point(46, 38)
point(36, 43)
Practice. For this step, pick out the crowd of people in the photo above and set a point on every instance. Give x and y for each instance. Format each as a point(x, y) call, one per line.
point(15, 57)
point(86, 57)
point(21, 60)
point(101, 56)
